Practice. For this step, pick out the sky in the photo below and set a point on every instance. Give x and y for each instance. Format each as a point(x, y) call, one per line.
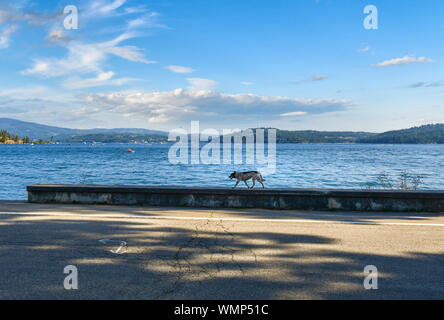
point(295, 65)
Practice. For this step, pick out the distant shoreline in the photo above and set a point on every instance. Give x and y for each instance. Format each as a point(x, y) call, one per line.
point(426, 134)
point(203, 142)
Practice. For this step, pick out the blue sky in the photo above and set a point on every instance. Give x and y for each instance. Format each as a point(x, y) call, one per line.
point(307, 64)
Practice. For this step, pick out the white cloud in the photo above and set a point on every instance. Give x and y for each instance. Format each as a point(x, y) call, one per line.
point(291, 114)
point(136, 23)
point(201, 84)
point(319, 77)
point(137, 9)
point(180, 69)
point(102, 79)
point(130, 53)
point(112, 6)
point(105, 7)
point(147, 20)
point(82, 58)
point(247, 83)
point(402, 61)
point(364, 48)
point(85, 58)
point(57, 34)
point(182, 104)
point(5, 34)
point(23, 92)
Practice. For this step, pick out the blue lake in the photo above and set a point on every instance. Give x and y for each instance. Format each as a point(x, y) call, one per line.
point(297, 165)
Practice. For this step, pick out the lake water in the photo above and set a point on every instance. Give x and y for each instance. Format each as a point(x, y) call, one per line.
point(298, 165)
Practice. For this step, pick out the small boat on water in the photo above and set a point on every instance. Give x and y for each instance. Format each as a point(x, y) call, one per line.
point(130, 150)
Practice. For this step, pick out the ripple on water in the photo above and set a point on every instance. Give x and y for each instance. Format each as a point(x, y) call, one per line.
point(303, 166)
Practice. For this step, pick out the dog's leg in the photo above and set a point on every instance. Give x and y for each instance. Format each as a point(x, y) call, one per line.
point(254, 181)
point(263, 187)
point(237, 182)
point(246, 184)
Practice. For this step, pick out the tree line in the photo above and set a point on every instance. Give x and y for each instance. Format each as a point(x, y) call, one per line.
point(6, 137)
point(427, 134)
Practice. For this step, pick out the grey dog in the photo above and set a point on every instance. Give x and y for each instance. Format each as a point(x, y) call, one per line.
point(244, 176)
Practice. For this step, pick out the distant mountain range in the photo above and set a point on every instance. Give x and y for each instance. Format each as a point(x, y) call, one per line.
point(40, 131)
point(428, 134)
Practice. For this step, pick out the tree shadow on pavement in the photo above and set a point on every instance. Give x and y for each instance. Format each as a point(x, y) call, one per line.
point(197, 260)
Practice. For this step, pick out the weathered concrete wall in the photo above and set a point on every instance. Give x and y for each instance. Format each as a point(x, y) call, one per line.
point(304, 199)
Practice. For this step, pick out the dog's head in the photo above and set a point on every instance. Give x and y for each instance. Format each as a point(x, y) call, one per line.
point(233, 175)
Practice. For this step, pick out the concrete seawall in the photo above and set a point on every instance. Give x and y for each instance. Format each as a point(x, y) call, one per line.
point(302, 199)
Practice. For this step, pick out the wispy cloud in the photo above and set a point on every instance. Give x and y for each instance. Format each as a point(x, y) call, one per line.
point(105, 7)
point(147, 20)
point(314, 78)
point(201, 84)
point(180, 69)
point(86, 58)
point(85, 62)
point(5, 35)
point(102, 79)
point(33, 100)
point(57, 35)
point(427, 84)
point(292, 114)
point(130, 53)
point(20, 12)
point(365, 48)
point(402, 61)
point(417, 85)
point(24, 92)
point(247, 83)
point(319, 77)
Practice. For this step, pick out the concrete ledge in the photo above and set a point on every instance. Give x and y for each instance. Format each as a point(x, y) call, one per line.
point(302, 199)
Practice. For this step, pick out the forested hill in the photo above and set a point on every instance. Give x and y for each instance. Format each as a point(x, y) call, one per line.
point(428, 134)
point(311, 136)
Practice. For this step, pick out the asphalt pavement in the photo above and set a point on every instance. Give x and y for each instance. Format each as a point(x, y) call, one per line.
point(186, 253)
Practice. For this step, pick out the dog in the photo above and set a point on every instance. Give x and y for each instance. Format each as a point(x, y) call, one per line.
point(245, 176)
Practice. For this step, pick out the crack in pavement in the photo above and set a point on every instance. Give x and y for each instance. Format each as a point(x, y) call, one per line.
point(218, 246)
